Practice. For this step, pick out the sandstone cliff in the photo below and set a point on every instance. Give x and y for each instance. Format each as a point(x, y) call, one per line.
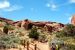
point(28, 24)
point(73, 20)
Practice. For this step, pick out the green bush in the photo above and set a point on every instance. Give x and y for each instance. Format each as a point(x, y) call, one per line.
point(69, 30)
point(43, 38)
point(70, 46)
point(60, 34)
point(33, 33)
point(66, 34)
point(11, 27)
point(29, 26)
point(5, 29)
point(8, 41)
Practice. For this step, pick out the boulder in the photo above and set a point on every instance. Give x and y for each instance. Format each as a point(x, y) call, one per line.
point(73, 20)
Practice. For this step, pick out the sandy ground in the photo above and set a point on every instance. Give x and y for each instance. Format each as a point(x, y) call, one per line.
point(40, 46)
point(43, 46)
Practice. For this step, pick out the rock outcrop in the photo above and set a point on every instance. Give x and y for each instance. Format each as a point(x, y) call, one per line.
point(73, 20)
point(48, 26)
point(23, 24)
point(27, 24)
point(8, 21)
point(17, 23)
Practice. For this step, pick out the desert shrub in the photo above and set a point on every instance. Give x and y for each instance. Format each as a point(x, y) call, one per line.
point(8, 41)
point(21, 34)
point(60, 34)
point(23, 42)
point(70, 46)
point(1, 21)
point(69, 30)
point(33, 33)
point(30, 26)
point(11, 27)
point(5, 29)
point(43, 38)
point(66, 34)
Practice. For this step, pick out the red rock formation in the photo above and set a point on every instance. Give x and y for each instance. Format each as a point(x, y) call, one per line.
point(73, 20)
point(49, 28)
point(27, 24)
point(6, 20)
point(1, 25)
point(24, 24)
point(54, 26)
point(39, 24)
point(17, 24)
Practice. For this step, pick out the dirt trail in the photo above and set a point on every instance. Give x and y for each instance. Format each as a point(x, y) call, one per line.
point(40, 46)
point(43, 46)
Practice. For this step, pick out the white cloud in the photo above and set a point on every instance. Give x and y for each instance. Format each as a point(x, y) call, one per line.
point(70, 18)
point(72, 1)
point(4, 4)
point(13, 8)
point(51, 6)
point(54, 7)
point(7, 6)
point(48, 5)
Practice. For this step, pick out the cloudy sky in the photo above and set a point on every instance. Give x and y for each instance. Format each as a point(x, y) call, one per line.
point(38, 10)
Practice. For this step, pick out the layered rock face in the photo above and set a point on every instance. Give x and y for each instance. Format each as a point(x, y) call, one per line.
point(54, 26)
point(17, 23)
point(27, 24)
point(23, 24)
point(6, 20)
point(73, 20)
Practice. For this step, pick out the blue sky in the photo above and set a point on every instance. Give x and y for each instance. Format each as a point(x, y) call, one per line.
point(38, 10)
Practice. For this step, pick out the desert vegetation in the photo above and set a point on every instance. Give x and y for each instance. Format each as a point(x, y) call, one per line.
point(68, 36)
point(17, 37)
point(33, 33)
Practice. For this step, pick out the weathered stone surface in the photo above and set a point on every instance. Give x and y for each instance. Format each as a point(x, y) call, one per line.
point(17, 24)
point(6, 20)
point(73, 20)
point(27, 24)
point(39, 24)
